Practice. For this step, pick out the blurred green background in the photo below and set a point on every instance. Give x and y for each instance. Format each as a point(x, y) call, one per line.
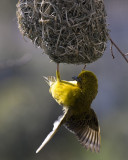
point(27, 110)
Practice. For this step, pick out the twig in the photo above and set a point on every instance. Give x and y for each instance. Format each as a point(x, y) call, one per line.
point(112, 51)
point(123, 55)
point(84, 67)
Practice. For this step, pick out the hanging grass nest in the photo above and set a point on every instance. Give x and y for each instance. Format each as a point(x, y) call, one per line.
point(69, 31)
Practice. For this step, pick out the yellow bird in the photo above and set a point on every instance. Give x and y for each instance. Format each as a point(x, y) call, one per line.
point(76, 98)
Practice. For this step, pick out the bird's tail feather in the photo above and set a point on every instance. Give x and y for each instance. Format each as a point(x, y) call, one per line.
point(57, 124)
point(85, 127)
point(50, 80)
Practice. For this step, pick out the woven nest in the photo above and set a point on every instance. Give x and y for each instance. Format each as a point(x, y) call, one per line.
point(69, 31)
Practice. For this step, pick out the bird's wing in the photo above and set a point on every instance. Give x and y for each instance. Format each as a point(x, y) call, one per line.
point(57, 124)
point(50, 80)
point(85, 126)
point(73, 82)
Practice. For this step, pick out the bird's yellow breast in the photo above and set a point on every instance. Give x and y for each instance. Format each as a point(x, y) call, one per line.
point(65, 93)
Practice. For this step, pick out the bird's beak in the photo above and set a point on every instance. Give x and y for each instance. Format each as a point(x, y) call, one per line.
point(76, 78)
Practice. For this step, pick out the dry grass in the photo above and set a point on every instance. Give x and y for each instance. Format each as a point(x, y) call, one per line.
point(72, 31)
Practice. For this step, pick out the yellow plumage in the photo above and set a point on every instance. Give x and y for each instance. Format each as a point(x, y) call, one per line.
point(76, 98)
point(65, 93)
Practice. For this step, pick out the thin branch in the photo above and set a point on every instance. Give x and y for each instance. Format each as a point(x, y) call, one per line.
point(84, 67)
point(112, 51)
point(123, 55)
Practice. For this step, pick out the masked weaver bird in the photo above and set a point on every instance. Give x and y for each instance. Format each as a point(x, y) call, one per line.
point(76, 97)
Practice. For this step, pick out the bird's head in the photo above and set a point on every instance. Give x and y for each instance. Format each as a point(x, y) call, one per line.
point(86, 79)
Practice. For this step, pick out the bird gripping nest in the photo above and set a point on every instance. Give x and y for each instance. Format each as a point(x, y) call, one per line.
point(69, 31)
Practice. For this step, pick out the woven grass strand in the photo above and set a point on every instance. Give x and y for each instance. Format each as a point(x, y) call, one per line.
point(73, 31)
